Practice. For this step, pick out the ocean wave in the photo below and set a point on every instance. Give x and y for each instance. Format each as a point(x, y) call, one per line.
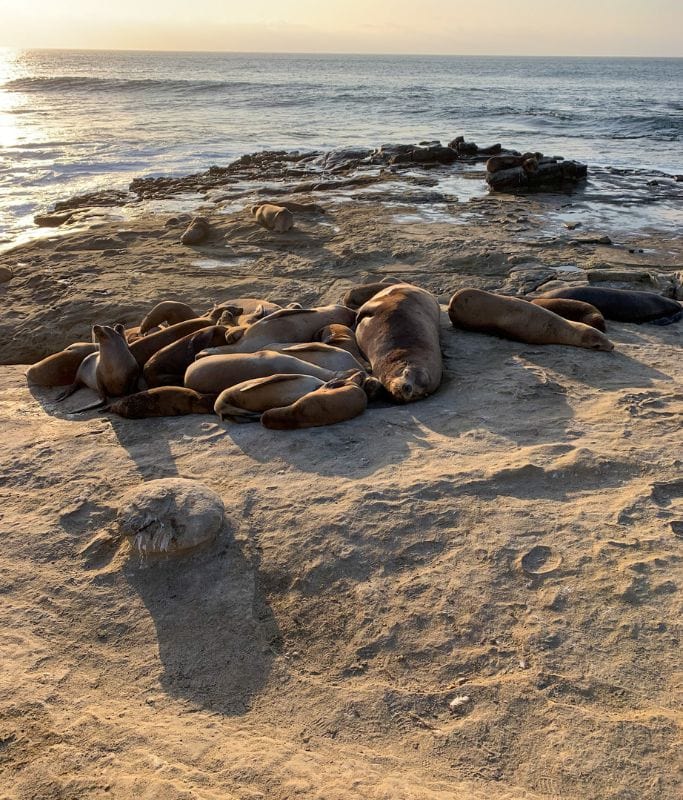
point(60, 83)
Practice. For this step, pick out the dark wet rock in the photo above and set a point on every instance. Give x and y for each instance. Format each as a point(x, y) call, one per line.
point(6, 274)
point(472, 151)
point(107, 197)
point(536, 173)
point(196, 232)
point(600, 239)
point(525, 278)
point(345, 158)
point(52, 220)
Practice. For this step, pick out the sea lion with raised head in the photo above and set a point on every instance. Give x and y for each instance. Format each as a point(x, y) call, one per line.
point(167, 366)
point(574, 310)
point(213, 374)
point(60, 369)
point(274, 218)
point(517, 319)
point(398, 331)
point(163, 401)
point(357, 295)
point(169, 312)
point(246, 401)
point(145, 347)
point(624, 305)
point(336, 401)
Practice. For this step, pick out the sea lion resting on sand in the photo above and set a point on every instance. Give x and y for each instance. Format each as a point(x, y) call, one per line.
point(112, 371)
point(145, 347)
point(343, 337)
point(275, 218)
point(324, 355)
point(246, 401)
point(169, 312)
point(574, 310)
point(167, 366)
point(163, 401)
point(60, 369)
point(398, 330)
point(513, 318)
point(624, 305)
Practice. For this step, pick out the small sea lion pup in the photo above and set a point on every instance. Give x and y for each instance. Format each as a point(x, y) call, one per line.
point(336, 401)
point(246, 401)
point(60, 369)
point(624, 305)
point(398, 330)
point(169, 312)
point(517, 319)
point(111, 372)
point(574, 310)
point(167, 366)
point(343, 337)
point(275, 218)
point(163, 401)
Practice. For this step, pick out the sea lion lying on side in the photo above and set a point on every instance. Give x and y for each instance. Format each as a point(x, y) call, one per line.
point(624, 305)
point(169, 312)
point(60, 369)
point(574, 310)
point(167, 366)
point(246, 401)
point(163, 401)
point(275, 218)
point(324, 355)
point(513, 318)
point(343, 337)
point(145, 347)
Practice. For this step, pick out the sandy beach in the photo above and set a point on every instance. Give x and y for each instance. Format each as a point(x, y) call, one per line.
point(512, 543)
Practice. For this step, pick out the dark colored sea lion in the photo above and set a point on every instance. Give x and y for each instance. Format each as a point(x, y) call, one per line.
point(145, 347)
point(167, 366)
point(625, 305)
point(163, 401)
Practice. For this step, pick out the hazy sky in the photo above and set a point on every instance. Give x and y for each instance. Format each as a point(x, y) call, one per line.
point(514, 27)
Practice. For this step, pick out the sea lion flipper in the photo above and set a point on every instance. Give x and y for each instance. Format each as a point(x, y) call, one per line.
point(91, 407)
point(258, 383)
point(68, 392)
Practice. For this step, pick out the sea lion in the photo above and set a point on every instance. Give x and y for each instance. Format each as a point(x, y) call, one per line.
point(246, 401)
point(167, 366)
point(357, 295)
point(111, 372)
point(144, 348)
point(225, 315)
point(253, 309)
point(342, 336)
point(286, 325)
point(324, 355)
point(60, 369)
point(335, 401)
point(514, 318)
point(275, 218)
point(624, 305)
point(169, 312)
point(574, 310)
point(213, 374)
point(163, 401)
point(398, 330)
point(196, 231)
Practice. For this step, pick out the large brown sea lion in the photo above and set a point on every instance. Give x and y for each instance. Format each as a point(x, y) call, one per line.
point(145, 347)
point(169, 312)
point(60, 369)
point(513, 318)
point(246, 401)
point(398, 330)
point(167, 366)
point(357, 295)
point(343, 337)
point(163, 401)
point(335, 401)
point(213, 374)
point(324, 355)
point(624, 305)
point(574, 310)
point(275, 218)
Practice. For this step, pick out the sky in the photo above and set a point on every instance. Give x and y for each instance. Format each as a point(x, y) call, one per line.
point(459, 27)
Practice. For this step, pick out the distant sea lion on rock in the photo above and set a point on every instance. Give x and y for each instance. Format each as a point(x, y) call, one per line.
point(624, 305)
point(214, 374)
point(196, 232)
point(167, 366)
point(246, 401)
point(574, 310)
point(513, 318)
point(275, 218)
point(169, 312)
point(144, 348)
point(163, 401)
point(398, 330)
point(336, 401)
point(343, 337)
point(60, 369)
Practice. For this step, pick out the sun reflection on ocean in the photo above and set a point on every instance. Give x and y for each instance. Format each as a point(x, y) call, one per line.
point(11, 103)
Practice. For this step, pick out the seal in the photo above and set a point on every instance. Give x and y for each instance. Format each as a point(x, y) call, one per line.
point(286, 325)
point(517, 319)
point(574, 310)
point(111, 372)
point(625, 305)
point(145, 347)
point(324, 355)
point(169, 312)
point(357, 295)
point(163, 401)
point(398, 330)
point(335, 401)
point(246, 401)
point(275, 218)
point(343, 337)
point(213, 374)
point(167, 366)
point(60, 369)
point(196, 231)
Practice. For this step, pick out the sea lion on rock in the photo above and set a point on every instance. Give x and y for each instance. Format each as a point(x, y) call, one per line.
point(246, 401)
point(574, 310)
point(163, 401)
point(214, 374)
point(513, 318)
point(167, 366)
point(112, 371)
point(335, 401)
point(624, 305)
point(275, 218)
point(60, 369)
point(343, 337)
point(169, 312)
point(144, 348)
point(398, 330)
point(196, 231)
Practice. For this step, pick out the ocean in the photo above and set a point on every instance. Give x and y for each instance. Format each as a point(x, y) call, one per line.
point(73, 121)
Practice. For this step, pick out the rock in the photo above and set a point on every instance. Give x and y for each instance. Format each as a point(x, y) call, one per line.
point(540, 560)
point(107, 197)
point(196, 231)
point(6, 274)
point(579, 240)
point(536, 172)
point(170, 516)
point(459, 703)
point(52, 220)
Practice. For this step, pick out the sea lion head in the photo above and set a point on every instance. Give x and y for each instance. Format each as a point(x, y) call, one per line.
point(225, 315)
point(593, 339)
point(105, 333)
point(411, 383)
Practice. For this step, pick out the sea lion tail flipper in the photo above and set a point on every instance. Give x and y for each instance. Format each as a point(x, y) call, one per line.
point(667, 320)
point(91, 407)
point(67, 392)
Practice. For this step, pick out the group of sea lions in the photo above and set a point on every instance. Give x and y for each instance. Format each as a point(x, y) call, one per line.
point(249, 359)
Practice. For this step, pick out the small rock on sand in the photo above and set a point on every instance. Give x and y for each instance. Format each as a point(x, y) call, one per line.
point(6, 274)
